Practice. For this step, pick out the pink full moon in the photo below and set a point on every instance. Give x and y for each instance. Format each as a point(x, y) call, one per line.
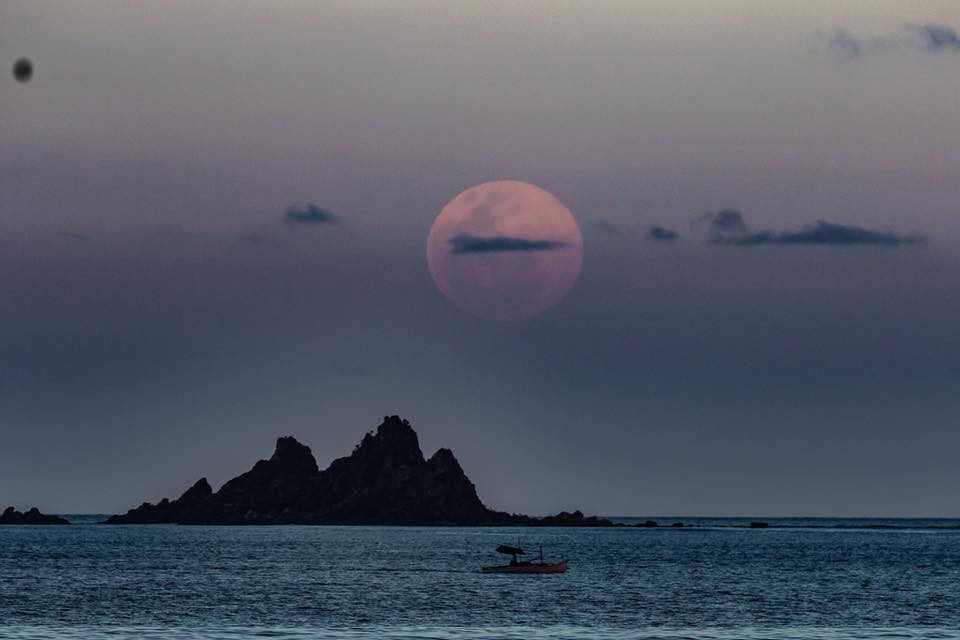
point(505, 250)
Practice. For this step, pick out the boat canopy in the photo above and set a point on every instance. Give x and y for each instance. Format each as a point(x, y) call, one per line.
point(510, 551)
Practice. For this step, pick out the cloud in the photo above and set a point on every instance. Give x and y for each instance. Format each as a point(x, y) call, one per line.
point(928, 37)
point(934, 37)
point(661, 234)
point(724, 222)
point(467, 243)
point(848, 46)
point(310, 215)
point(843, 43)
point(826, 233)
point(728, 228)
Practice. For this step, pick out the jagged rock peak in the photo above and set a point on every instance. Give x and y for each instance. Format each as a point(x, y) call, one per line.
point(394, 425)
point(200, 489)
point(291, 454)
point(444, 458)
point(394, 443)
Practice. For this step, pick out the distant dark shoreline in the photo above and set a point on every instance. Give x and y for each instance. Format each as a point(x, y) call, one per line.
point(690, 523)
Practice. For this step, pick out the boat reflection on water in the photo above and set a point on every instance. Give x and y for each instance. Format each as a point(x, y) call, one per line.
point(520, 566)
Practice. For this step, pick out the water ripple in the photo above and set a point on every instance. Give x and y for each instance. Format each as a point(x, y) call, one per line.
point(94, 581)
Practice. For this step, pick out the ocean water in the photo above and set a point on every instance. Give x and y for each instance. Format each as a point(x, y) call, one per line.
point(801, 578)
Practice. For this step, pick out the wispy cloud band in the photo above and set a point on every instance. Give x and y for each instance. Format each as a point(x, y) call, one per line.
point(924, 37)
point(728, 228)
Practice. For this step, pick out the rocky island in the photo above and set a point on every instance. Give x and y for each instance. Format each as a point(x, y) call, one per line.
point(385, 481)
point(33, 516)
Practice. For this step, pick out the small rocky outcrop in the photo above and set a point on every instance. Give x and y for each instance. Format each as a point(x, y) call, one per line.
point(575, 519)
point(386, 480)
point(33, 516)
point(166, 510)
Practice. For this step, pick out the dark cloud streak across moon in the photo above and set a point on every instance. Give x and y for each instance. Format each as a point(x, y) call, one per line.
point(467, 243)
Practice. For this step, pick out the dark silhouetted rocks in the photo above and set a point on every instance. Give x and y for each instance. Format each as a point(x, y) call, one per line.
point(386, 480)
point(575, 519)
point(33, 516)
point(646, 523)
point(759, 525)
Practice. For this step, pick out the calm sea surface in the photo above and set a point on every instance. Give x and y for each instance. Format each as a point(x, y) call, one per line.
point(801, 578)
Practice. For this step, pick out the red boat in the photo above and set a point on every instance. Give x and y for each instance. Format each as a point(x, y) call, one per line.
point(519, 566)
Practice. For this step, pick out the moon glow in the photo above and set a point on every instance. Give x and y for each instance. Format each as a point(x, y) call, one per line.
point(505, 250)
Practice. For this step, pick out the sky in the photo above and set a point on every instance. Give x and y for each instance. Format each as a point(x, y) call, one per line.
point(213, 222)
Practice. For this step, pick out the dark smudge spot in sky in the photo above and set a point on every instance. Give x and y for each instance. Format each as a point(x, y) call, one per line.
point(23, 70)
point(309, 215)
point(662, 234)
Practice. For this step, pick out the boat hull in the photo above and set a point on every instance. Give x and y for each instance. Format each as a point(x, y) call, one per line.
point(533, 567)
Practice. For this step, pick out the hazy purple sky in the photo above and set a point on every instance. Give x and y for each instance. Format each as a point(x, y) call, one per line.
point(161, 318)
